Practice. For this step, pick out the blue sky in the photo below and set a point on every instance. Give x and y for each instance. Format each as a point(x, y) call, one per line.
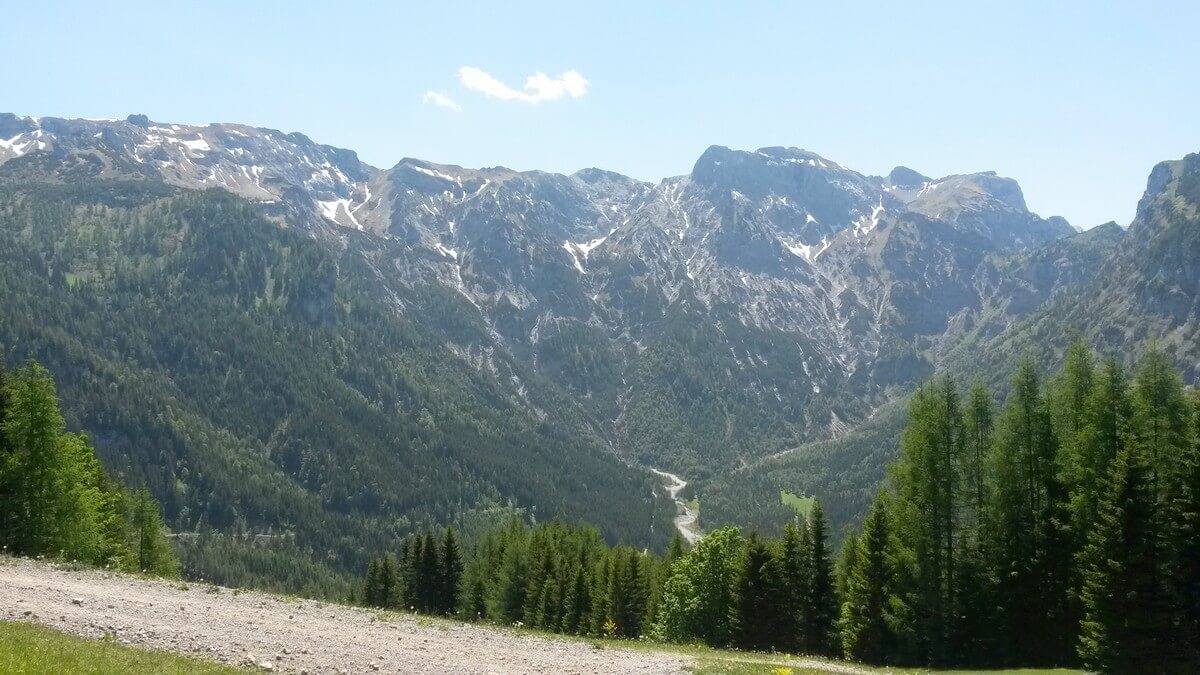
point(1077, 101)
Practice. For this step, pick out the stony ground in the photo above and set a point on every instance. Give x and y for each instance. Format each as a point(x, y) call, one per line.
point(267, 631)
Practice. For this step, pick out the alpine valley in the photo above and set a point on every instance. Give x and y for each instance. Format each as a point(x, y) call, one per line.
point(306, 358)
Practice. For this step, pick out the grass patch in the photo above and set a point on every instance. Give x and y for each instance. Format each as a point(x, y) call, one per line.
point(802, 505)
point(724, 667)
point(28, 648)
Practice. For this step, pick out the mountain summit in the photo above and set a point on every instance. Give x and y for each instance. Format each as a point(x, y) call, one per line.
point(591, 325)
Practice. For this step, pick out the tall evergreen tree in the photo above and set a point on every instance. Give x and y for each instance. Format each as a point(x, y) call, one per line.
point(820, 608)
point(33, 428)
point(978, 426)
point(1030, 551)
point(451, 573)
point(153, 551)
point(794, 574)
point(506, 602)
point(10, 504)
point(758, 608)
point(627, 592)
point(1110, 431)
point(866, 622)
point(847, 560)
point(1185, 547)
point(578, 602)
point(927, 480)
point(371, 589)
point(1162, 429)
point(1125, 626)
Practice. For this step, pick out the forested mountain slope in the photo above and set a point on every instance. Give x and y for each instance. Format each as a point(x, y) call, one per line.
point(1121, 290)
point(253, 381)
point(347, 352)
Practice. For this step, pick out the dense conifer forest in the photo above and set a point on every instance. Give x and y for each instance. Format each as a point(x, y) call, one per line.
point(249, 379)
point(1060, 528)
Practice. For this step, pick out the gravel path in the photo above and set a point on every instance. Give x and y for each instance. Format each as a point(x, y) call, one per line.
point(290, 635)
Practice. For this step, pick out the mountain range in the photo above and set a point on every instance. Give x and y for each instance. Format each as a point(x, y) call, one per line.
point(365, 350)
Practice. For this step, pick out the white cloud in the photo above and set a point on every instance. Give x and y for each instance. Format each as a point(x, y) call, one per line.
point(539, 87)
point(441, 100)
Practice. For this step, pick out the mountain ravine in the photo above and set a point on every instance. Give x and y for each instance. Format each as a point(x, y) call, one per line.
point(534, 340)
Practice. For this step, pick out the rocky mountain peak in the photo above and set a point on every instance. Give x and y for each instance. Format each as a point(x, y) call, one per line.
point(906, 178)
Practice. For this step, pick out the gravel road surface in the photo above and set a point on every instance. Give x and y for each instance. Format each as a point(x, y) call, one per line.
point(285, 635)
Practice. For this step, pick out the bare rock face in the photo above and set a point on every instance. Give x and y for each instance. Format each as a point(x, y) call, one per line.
point(791, 284)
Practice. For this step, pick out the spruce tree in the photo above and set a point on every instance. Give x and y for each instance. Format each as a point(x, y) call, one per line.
point(429, 574)
point(1185, 548)
point(847, 560)
point(794, 581)
point(1109, 432)
point(1029, 549)
point(371, 591)
point(627, 592)
point(153, 551)
point(865, 622)
point(10, 504)
point(756, 614)
point(578, 602)
point(1124, 623)
point(820, 602)
point(507, 599)
point(33, 427)
point(451, 573)
point(1162, 429)
point(927, 480)
point(977, 440)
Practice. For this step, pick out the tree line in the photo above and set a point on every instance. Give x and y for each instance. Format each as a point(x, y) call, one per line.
point(55, 499)
point(1060, 529)
point(728, 590)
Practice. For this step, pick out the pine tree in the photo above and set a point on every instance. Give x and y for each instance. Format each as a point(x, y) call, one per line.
point(1185, 548)
point(1124, 623)
point(10, 504)
point(977, 440)
point(794, 582)
point(1162, 429)
point(865, 622)
point(1030, 552)
point(847, 560)
point(33, 427)
point(1109, 432)
point(154, 552)
point(451, 573)
point(627, 592)
point(428, 575)
point(371, 592)
point(820, 603)
point(578, 602)
point(1070, 395)
point(927, 479)
point(406, 573)
point(507, 599)
point(970, 640)
point(756, 615)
